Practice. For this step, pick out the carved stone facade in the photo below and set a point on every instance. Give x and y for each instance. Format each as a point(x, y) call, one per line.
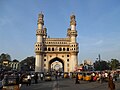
point(63, 51)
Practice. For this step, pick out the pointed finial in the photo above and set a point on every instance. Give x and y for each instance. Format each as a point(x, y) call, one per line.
point(40, 18)
point(72, 13)
point(72, 17)
point(41, 15)
point(41, 12)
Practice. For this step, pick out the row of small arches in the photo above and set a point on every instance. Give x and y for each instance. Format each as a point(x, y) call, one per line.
point(53, 49)
point(55, 42)
point(59, 43)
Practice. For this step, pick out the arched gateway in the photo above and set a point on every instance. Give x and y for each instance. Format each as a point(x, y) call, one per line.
point(56, 53)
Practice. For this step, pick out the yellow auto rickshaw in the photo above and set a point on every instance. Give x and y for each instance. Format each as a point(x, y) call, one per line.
point(87, 76)
point(80, 75)
point(66, 75)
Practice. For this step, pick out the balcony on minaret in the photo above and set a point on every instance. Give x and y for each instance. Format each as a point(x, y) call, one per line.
point(39, 32)
point(74, 47)
point(68, 32)
point(38, 47)
point(73, 33)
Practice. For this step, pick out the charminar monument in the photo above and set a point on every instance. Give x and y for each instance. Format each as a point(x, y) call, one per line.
point(56, 53)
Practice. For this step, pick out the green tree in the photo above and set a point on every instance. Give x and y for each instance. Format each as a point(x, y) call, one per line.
point(104, 65)
point(114, 64)
point(96, 65)
point(101, 65)
point(4, 56)
point(109, 65)
point(28, 64)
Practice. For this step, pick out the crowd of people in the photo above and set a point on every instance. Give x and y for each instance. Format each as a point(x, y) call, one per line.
point(102, 76)
point(30, 78)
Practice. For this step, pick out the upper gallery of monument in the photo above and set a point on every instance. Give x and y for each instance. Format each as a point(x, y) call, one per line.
point(41, 30)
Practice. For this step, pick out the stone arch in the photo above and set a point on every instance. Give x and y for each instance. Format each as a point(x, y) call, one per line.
point(56, 59)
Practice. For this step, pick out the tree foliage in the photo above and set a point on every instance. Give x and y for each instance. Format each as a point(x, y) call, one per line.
point(101, 65)
point(28, 63)
point(104, 65)
point(114, 64)
point(4, 56)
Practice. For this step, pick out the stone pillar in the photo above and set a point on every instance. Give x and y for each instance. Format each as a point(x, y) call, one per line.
point(38, 63)
point(65, 66)
point(74, 62)
point(73, 39)
point(73, 32)
point(74, 51)
point(73, 27)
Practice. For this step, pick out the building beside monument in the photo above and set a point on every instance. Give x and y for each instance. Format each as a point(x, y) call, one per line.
point(56, 53)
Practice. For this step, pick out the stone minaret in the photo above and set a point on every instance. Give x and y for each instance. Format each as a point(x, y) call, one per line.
point(39, 44)
point(73, 43)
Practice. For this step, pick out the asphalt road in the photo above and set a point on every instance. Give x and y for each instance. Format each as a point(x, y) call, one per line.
point(69, 84)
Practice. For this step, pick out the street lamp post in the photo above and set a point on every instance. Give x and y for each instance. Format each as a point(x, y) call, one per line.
point(99, 58)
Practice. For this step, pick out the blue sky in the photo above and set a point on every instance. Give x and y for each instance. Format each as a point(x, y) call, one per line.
point(98, 26)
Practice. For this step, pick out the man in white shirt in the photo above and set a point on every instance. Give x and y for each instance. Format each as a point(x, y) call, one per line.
point(29, 80)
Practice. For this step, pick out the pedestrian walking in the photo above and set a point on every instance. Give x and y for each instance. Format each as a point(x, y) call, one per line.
point(56, 76)
point(111, 84)
point(77, 81)
point(36, 78)
point(22, 79)
point(41, 76)
point(29, 80)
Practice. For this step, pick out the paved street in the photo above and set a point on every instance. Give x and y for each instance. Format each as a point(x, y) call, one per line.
point(69, 84)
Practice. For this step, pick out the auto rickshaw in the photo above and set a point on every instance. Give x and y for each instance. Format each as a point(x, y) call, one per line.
point(74, 75)
point(87, 76)
point(11, 83)
point(80, 75)
point(66, 75)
